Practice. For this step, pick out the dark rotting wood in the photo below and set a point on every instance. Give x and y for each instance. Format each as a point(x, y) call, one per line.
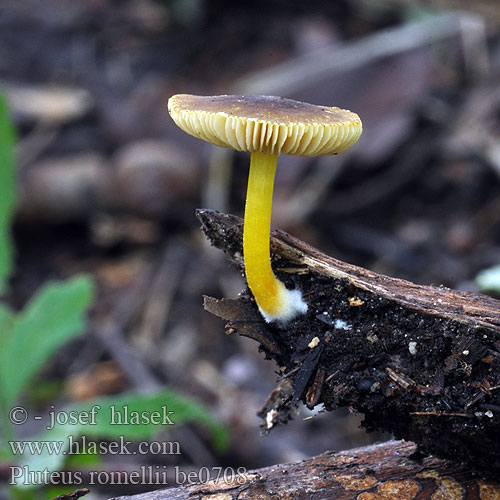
point(387, 471)
point(421, 362)
point(73, 495)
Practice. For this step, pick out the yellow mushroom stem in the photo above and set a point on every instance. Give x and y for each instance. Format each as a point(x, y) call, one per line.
point(275, 301)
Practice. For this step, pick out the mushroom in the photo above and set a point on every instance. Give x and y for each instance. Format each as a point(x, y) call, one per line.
point(266, 126)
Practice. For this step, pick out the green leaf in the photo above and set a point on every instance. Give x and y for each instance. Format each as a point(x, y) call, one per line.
point(101, 420)
point(50, 454)
point(7, 191)
point(54, 316)
point(85, 459)
point(489, 279)
point(6, 322)
point(128, 415)
point(16, 493)
point(44, 391)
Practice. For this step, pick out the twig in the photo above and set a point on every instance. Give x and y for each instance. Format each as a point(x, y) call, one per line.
point(73, 496)
point(292, 77)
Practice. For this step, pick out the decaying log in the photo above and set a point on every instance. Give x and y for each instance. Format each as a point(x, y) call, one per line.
point(379, 472)
point(421, 362)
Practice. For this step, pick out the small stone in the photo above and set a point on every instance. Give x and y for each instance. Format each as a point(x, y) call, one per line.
point(355, 301)
point(314, 342)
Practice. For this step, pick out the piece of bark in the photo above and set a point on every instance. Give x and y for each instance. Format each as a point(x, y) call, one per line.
point(421, 362)
point(379, 472)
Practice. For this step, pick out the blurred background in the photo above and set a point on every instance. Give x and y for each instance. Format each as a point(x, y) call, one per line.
point(106, 185)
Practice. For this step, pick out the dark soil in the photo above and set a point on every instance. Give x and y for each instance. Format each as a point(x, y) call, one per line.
point(420, 362)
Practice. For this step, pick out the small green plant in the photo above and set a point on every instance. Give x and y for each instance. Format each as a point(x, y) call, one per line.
point(54, 315)
point(115, 419)
point(7, 191)
point(29, 338)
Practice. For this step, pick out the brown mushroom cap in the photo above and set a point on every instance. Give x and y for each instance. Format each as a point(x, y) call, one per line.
point(266, 123)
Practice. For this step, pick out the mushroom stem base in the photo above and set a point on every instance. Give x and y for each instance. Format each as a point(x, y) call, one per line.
point(275, 301)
